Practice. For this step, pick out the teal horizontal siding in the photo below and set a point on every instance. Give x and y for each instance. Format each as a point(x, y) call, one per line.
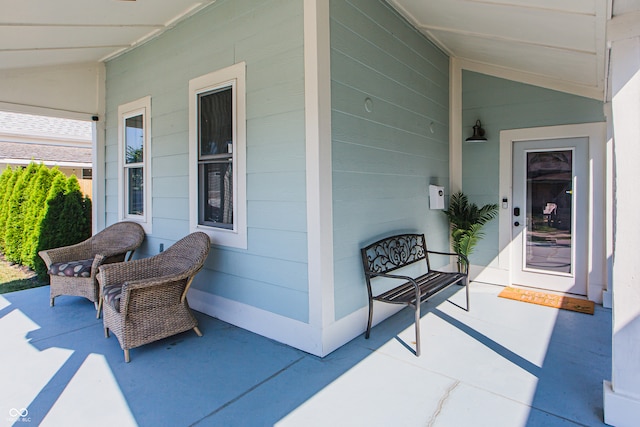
point(384, 159)
point(283, 215)
point(256, 293)
point(170, 186)
point(268, 35)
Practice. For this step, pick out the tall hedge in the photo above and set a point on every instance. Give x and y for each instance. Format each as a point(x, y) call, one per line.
point(32, 217)
point(41, 209)
point(74, 224)
point(15, 217)
point(7, 181)
point(4, 178)
point(49, 231)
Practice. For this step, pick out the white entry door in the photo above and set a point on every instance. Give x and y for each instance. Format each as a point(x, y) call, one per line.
point(549, 218)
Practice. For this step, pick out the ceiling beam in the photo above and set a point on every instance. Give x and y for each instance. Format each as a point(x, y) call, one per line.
point(44, 49)
point(532, 79)
point(493, 37)
point(51, 25)
point(531, 7)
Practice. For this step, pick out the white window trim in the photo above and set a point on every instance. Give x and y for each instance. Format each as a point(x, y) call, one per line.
point(130, 109)
point(235, 74)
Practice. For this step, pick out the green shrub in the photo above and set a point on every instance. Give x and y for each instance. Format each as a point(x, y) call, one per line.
point(5, 178)
point(48, 237)
point(66, 218)
point(6, 195)
point(15, 219)
point(41, 209)
point(32, 218)
point(73, 222)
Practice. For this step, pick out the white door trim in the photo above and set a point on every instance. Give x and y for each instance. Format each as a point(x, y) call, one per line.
point(596, 132)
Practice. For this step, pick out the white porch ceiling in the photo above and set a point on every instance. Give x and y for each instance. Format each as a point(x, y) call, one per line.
point(558, 41)
point(54, 32)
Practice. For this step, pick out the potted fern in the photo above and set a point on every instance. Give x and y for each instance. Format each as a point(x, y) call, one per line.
point(466, 221)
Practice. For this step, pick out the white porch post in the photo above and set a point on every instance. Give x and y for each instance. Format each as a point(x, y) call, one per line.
point(317, 55)
point(99, 195)
point(455, 126)
point(622, 394)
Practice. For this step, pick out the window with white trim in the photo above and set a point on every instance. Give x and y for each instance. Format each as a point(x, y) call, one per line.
point(134, 183)
point(217, 134)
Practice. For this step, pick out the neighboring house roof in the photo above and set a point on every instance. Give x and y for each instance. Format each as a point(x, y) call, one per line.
point(50, 140)
point(54, 154)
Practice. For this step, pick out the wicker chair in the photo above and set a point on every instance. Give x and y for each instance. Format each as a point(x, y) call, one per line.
point(146, 299)
point(72, 269)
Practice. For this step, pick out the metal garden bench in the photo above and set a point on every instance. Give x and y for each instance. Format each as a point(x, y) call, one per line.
point(392, 253)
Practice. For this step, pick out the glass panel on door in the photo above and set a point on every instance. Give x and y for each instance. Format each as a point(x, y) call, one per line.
point(549, 194)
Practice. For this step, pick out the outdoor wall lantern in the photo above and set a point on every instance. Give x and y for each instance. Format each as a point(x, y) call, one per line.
point(478, 133)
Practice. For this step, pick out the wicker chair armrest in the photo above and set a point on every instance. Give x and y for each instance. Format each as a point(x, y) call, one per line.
point(97, 262)
point(82, 250)
point(153, 281)
point(131, 271)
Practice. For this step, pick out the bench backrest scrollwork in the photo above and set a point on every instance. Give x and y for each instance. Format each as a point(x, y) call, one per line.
point(394, 252)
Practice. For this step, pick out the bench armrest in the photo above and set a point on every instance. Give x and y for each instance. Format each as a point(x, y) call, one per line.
point(460, 256)
point(396, 276)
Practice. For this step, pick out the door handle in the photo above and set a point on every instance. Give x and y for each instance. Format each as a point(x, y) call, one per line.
point(516, 211)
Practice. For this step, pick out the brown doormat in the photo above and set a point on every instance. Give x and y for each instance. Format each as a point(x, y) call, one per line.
point(549, 300)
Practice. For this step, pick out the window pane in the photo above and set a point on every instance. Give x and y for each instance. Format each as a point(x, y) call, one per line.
point(216, 122)
point(134, 139)
point(549, 202)
point(135, 191)
point(216, 200)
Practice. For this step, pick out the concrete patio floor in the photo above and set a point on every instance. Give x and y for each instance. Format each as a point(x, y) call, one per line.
point(505, 363)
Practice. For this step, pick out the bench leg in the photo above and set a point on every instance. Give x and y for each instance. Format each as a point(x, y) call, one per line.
point(366, 335)
point(417, 320)
point(466, 285)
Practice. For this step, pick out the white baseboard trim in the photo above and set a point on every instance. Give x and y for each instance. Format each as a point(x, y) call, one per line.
point(607, 299)
point(595, 293)
point(355, 324)
point(295, 333)
point(262, 322)
point(491, 275)
point(619, 410)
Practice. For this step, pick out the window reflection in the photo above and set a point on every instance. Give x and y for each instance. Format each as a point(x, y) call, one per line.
point(549, 211)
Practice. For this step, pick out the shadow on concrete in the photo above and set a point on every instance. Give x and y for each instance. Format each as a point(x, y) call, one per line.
point(65, 371)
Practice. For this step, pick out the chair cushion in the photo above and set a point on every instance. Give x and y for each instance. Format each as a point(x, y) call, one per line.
point(111, 295)
point(80, 268)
